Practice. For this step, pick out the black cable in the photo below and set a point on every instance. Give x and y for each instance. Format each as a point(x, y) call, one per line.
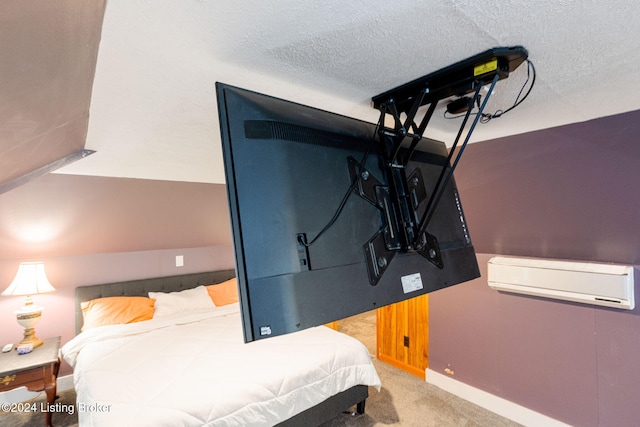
point(486, 117)
point(346, 196)
point(530, 68)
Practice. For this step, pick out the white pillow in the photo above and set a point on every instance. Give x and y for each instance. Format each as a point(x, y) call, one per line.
point(189, 300)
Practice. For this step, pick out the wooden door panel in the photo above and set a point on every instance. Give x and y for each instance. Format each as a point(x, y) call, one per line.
point(403, 335)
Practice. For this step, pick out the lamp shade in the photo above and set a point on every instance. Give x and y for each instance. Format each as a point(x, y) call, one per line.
point(30, 280)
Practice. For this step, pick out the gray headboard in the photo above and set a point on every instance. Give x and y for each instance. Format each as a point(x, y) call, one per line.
point(143, 286)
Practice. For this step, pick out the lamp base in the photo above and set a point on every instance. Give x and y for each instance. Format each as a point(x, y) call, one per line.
point(28, 316)
point(30, 338)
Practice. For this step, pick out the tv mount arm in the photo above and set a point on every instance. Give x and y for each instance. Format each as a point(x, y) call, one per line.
point(403, 230)
point(441, 184)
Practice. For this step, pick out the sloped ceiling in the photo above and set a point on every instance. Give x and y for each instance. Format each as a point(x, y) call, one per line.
point(151, 110)
point(48, 54)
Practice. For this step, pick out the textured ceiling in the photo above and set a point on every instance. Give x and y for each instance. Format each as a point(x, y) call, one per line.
point(153, 112)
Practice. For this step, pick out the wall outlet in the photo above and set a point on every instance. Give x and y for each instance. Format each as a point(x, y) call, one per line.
point(179, 260)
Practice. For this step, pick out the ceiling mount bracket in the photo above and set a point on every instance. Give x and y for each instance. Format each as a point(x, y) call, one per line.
point(400, 106)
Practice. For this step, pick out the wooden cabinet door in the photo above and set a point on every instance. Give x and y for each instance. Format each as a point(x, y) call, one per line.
point(402, 333)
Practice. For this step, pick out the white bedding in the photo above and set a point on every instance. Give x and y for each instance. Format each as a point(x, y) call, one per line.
point(196, 370)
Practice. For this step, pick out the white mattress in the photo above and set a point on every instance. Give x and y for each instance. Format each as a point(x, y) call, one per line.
point(196, 370)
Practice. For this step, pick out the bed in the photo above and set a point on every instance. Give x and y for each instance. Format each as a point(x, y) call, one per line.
point(191, 367)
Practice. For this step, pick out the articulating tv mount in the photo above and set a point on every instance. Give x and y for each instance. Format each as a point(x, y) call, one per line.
point(403, 229)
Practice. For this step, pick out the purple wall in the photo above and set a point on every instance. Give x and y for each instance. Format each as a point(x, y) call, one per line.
point(64, 215)
point(566, 192)
point(570, 192)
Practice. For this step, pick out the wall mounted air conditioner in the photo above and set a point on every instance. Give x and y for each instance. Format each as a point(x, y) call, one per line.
point(590, 283)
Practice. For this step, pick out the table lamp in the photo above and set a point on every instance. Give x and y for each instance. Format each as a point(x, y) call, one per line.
point(30, 280)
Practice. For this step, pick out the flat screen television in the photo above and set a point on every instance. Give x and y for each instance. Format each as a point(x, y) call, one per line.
point(310, 216)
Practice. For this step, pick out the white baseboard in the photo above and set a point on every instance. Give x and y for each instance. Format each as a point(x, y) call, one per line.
point(493, 403)
point(65, 383)
point(21, 394)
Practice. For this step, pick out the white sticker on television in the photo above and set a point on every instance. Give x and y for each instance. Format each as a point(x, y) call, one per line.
point(265, 330)
point(411, 283)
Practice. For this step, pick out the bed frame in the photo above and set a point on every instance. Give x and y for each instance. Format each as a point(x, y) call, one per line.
point(313, 416)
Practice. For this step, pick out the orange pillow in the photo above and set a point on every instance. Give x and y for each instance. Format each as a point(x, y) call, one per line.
point(116, 310)
point(224, 293)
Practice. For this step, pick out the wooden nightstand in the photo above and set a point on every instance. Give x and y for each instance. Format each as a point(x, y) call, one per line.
point(37, 370)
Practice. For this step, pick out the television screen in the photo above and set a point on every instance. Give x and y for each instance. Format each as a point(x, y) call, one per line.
point(314, 227)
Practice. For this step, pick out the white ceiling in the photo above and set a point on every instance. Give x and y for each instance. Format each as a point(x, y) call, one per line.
point(153, 109)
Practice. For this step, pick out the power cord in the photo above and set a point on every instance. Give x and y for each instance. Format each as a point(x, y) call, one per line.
point(487, 117)
point(346, 196)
